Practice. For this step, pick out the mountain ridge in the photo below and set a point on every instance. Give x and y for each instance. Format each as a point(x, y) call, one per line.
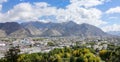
point(70, 28)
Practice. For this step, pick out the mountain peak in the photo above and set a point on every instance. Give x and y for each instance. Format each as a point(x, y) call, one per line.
point(85, 24)
point(69, 28)
point(69, 22)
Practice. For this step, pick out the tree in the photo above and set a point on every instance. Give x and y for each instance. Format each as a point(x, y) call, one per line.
point(67, 55)
point(12, 54)
point(3, 60)
point(57, 58)
point(72, 59)
point(79, 59)
point(105, 55)
point(115, 55)
point(50, 44)
point(24, 58)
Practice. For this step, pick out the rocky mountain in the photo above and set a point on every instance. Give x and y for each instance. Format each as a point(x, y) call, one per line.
point(64, 29)
point(10, 27)
point(13, 29)
point(20, 33)
point(33, 30)
point(70, 28)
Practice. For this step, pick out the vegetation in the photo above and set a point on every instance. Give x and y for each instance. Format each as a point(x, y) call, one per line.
point(50, 44)
point(66, 54)
point(12, 55)
point(38, 39)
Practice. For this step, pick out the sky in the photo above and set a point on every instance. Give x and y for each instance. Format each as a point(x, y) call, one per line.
point(104, 14)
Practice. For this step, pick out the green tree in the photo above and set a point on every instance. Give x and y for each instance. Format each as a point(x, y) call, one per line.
point(105, 55)
point(12, 54)
point(50, 44)
point(72, 59)
point(80, 59)
point(115, 54)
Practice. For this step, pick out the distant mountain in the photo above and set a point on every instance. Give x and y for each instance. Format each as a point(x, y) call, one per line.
point(51, 32)
point(70, 28)
point(65, 29)
point(10, 27)
point(20, 33)
point(34, 31)
point(13, 29)
point(114, 33)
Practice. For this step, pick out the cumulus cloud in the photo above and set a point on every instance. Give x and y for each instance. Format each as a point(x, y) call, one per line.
point(79, 11)
point(27, 12)
point(19, 12)
point(113, 10)
point(114, 27)
point(87, 3)
point(83, 15)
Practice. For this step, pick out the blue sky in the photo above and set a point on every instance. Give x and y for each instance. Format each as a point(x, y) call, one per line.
point(105, 13)
point(58, 3)
point(107, 5)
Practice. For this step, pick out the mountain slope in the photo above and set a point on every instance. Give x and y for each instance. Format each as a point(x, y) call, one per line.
point(10, 27)
point(51, 32)
point(66, 29)
point(20, 33)
point(14, 29)
point(3, 33)
point(33, 30)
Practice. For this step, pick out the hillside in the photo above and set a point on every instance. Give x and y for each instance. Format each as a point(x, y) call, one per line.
point(70, 28)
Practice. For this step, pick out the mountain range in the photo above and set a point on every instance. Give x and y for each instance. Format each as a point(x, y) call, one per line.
point(30, 29)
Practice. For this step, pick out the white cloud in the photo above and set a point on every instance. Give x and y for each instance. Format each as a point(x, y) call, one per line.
point(87, 3)
point(113, 10)
point(41, 5)
point(74, 12)
point(27, 12)
point(21, 11)
point(114, 27)
point(81, 15)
